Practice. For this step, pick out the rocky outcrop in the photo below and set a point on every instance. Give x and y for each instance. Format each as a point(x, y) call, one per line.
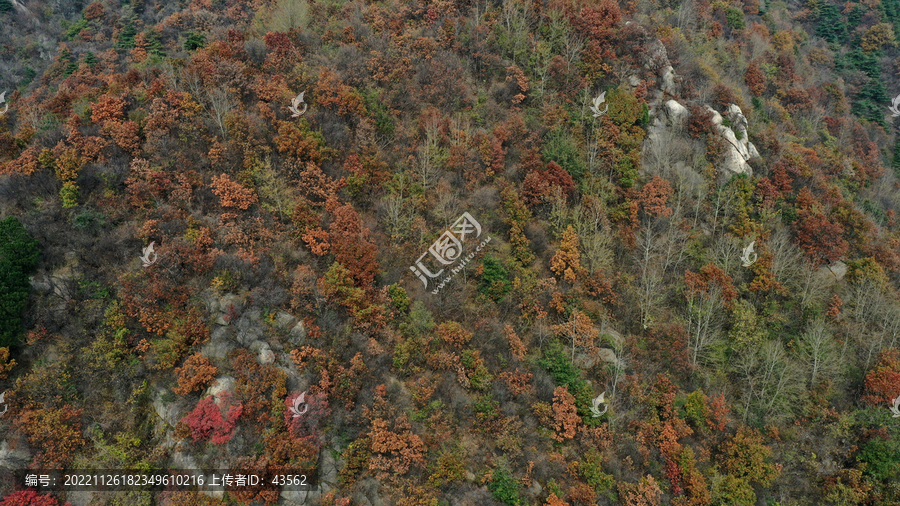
point(13, 459)
point(738, 150)
point(167, 406)
point(670, 118)
point(221, 386)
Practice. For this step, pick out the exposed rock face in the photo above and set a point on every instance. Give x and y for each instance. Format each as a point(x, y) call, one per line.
point(672, 116)
point(676, 113)
point(220, 343)
point(170, 411)
point(284, 320)
point(739, 149)
point(297, 336)
point(220, 386)
point(838, 270)
point(668, 118)
point(264, 353)
point(668, 80)
point(13, 459)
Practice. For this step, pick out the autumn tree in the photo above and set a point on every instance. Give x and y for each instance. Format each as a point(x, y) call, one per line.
point(30, 497)
point(579, 329)
point(207, 423)
point(552, 500)
point(819, 352)
point(566, 263)
point(6, 364)
point(196, 373)
point(454, 334)
point(745, 456)
point(516, 346)
point(538, 186)
point(108, 108)
point(883, 381)
point(351, 244)
point(643, 493)
point(395, 449)
point(565, 414)
point(755, 79)
point(653, 204)
point(56, 432)
point(231, 193)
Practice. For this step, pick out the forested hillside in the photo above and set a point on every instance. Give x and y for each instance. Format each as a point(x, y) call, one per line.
point(560, 252)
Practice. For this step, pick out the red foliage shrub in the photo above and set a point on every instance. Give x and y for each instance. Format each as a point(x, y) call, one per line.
point(654, 196)
point(306, 426)
point(29, 498)
point(821, 238)
point(108, 108)
point(395, 449)
point(206, 422)
point(723, 96)
point(94, 11)
point(710, 275)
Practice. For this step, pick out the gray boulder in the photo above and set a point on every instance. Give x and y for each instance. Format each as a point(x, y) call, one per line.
point(297, 335)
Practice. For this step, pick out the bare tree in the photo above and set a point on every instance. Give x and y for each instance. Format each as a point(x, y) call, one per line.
point(818, 350)
point(706, 314)
point(787, 259)
point(812, 284)
point(771, 386)
point(430, 155)
point(650, 277)
point(220, 104)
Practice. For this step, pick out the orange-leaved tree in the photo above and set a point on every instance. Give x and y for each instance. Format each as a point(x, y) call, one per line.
point(883, 381)
point(350, 243)
point(195, 374)
point(232, 193)
point(566, 263)
point(565, 414)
